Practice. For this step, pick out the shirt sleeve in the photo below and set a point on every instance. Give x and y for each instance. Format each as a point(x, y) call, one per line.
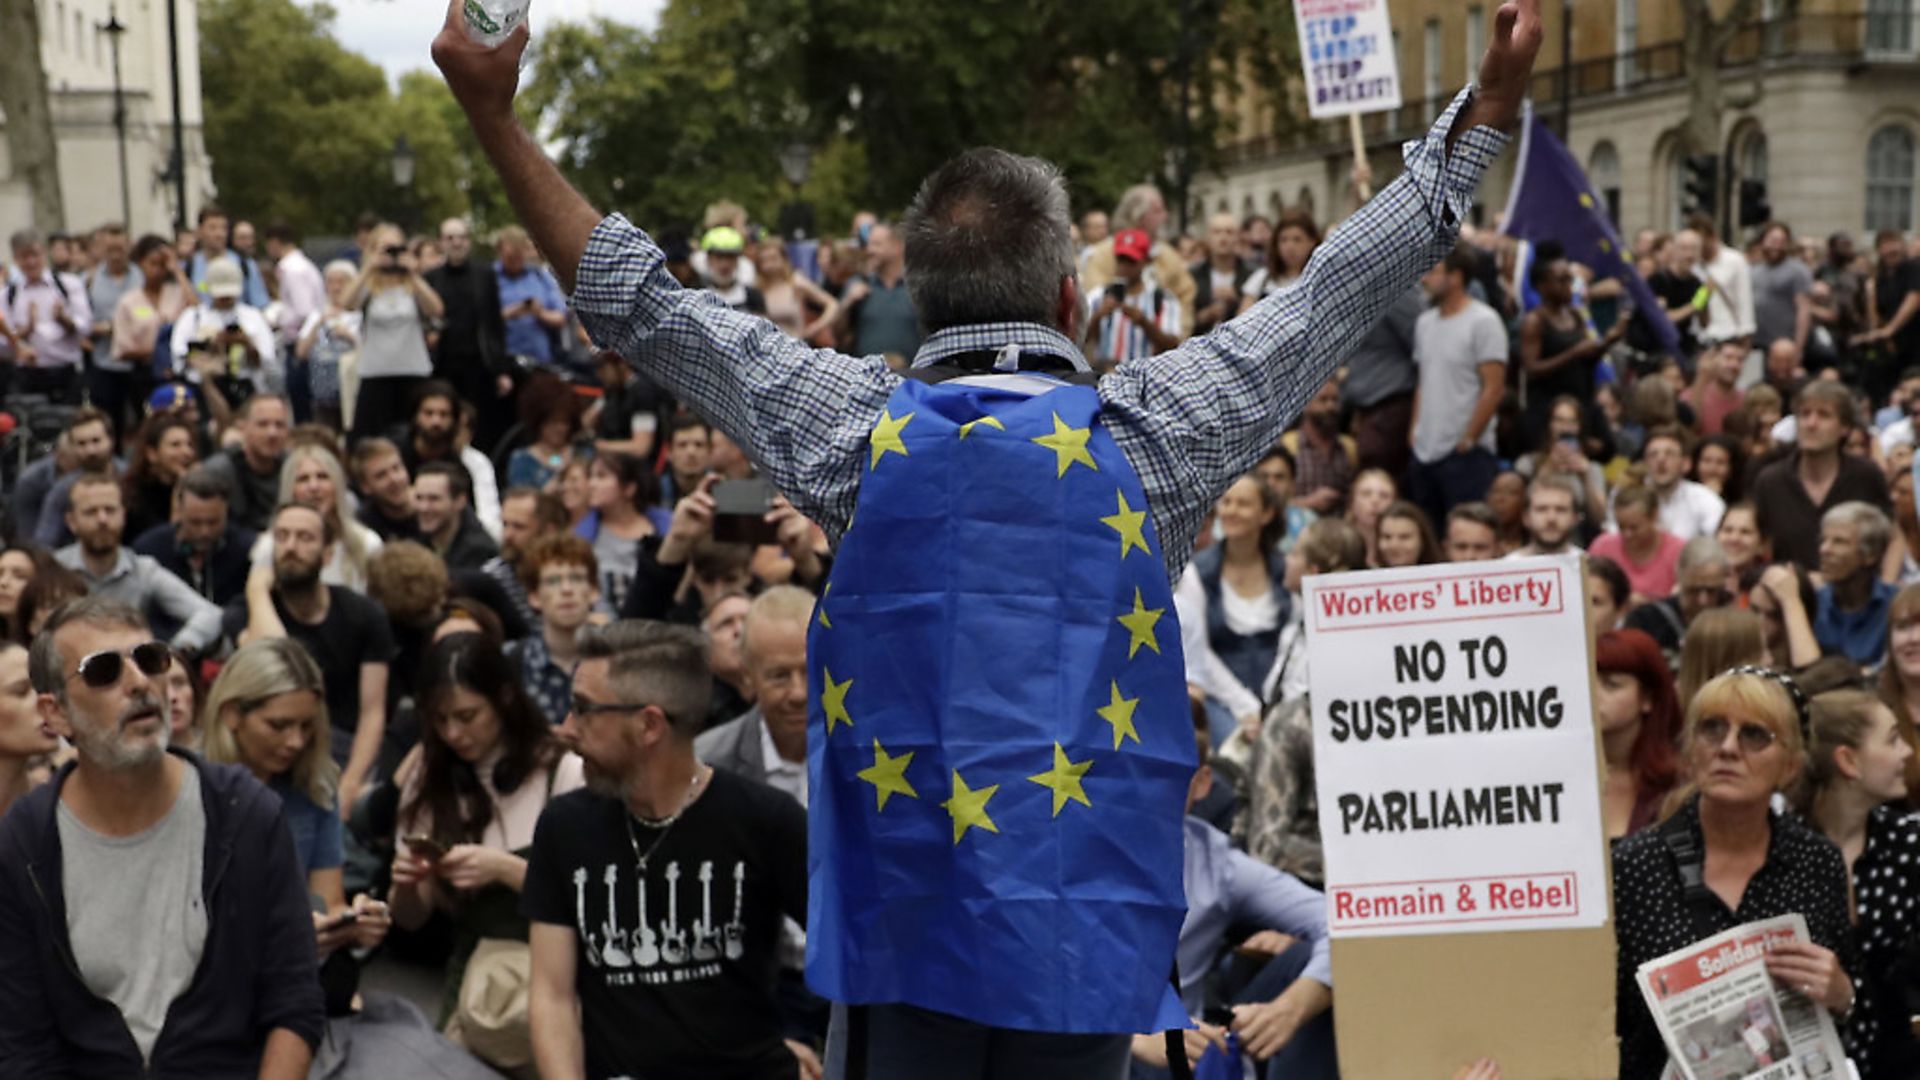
point(543, 896)
point(1195, 417)
point(1490, 339)
point(803, 415)
point(1259, 895)
point(379, 636)
point(199, 619)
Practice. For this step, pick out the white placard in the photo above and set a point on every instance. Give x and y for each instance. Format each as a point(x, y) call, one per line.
point(1454, 748)
point(1346, 47)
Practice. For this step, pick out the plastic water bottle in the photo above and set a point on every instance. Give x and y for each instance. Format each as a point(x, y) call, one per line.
point(490, 21)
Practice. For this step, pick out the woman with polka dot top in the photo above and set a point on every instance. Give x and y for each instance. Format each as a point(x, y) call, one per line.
point(1742, 743)
point(1856, 767)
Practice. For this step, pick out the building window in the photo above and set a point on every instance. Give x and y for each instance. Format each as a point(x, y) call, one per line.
point(1476, 34)
point(1430, 69)
point(1890, 27)
point(1753, 157)
point(1890, 179)
point(1603, 171)
point(1626, 38)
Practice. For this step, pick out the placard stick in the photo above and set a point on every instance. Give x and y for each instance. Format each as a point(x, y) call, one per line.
point(1360, 171)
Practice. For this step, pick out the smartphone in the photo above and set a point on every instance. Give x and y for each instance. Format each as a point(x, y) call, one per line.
point(345, 918)
point(425, 846)
point(1117, 293)
point(740, 512)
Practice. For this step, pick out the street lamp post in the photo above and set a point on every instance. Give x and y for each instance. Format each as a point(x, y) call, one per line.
point(403, 165)
point(796, 217)
point(113, 28)
point(1566, 70)
point(177, 168)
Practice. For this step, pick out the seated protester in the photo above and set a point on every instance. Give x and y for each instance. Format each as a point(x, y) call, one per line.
point(550, 411)
point(1134, 317)
point(1703, 574)
point(487, 765)
point(1236, 593)
point(111, 569)
point(386, 505)
point(1782, 492)
point(1748, 550)
point(1856, 794)
point(1649, 554)
point(125, 840)
point(1639, 721)
point(1406, 537)
point(1720, 465)
point(1507, 498)
point(1851, 613)
point(267, 712)
point(1742, 745)
point(1899, 682)
point(1607, 594)
point(1277, 468)
point(1553, 513)
point(619, 516)
point(442, 512)
point(562, 581)
point(1785, 599)
point(689, 458)
point(225, 343)
point(252, 469)
point(686, 554)
point(202, 546)
point(1720, 639)
point(1281, 1015)
point(1473, 533)
point(486, 485)
point(526, 516)
point(1569, 455)
point(724, 622)
point(89, 440)
point(344, 632)
point(1326, 460)
point(25, 739)
point(312, 476)
point(52, 586)
point(1281, 825)
point(163, 451)
point(717, 861)
point(626, 419)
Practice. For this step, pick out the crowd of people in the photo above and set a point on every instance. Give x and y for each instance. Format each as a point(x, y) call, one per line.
point(418, 574)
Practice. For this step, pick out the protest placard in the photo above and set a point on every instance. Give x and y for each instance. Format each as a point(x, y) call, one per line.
point(1346, 49)
point(1457, 769)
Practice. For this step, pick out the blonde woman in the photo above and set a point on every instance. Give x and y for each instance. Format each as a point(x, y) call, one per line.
point(267, 712)
point(313, 476)
point(397, 308)
point(1900, 677)
point(788, 294)
point(1720, 639)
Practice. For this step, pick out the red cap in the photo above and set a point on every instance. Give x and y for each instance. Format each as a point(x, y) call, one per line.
point(1132, 244)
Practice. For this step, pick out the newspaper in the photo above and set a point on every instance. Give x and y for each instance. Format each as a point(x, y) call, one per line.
point(1723, 1017)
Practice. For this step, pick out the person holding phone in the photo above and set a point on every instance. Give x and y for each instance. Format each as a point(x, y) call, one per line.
point(397, 308)
point(1134, 316)
point(530, 300)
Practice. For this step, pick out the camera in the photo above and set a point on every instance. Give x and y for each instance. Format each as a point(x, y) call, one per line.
point(394, 251)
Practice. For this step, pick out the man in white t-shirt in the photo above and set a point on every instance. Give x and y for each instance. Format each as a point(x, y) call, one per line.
point(1460, 347)
point(1688, 508)
point(1730, 305)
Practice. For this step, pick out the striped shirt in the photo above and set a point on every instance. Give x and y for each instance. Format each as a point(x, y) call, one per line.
point(1189, 420)
point(1117, 338)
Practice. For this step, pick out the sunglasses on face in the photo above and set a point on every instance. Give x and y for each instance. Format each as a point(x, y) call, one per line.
point(1753, 738)
point(103, 669)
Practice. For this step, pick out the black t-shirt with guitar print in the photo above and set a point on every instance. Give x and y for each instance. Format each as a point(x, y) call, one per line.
point(676, 967)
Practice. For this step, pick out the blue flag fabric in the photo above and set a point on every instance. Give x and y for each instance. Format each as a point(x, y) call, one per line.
point(999, 737)
point(1552, 200)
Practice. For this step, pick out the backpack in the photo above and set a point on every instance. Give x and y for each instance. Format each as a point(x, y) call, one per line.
point(13, 289)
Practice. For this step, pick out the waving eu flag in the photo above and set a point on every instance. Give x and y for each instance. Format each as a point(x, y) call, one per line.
point(999, 739)
point(1552, 200)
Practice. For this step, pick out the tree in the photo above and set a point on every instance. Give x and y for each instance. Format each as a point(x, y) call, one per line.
point(23, 97)
point(1705, 44)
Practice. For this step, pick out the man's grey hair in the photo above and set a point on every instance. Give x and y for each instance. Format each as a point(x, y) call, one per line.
point(1134, 204)
point(989, 238)
point(656, 663)
point(46, 669)
point(789, 604)
point(1703, 551)
point(24, 239)
point(1870, 525)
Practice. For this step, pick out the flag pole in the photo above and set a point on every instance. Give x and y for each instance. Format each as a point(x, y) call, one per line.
point(1360, 183)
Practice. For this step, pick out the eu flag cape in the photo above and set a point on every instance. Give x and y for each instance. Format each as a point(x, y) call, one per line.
point(1552, 200)
point(999, 740)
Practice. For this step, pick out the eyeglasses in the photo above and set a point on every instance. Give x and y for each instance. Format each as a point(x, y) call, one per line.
point(1754, 738)
point(103, 669)
point(557, 580)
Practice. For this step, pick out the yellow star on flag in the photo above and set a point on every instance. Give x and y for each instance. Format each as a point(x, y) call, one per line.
point(1139, 622)
point(822, 605)
point(1064, 780)
point(969, 808)
point(833, 701)
point(1119, 712)
point(966, 429)
point(886, 437)
point(1586, 200)
point(1069, 445)
point(888, 775)
point(1130, 524)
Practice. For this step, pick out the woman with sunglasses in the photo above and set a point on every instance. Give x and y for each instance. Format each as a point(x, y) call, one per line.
point(487, 765)
point(23, 735)
point(1742, 745)
point(1856, 793)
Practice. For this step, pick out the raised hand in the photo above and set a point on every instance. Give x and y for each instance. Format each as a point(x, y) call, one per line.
point(483, 79)
point(1507, 67)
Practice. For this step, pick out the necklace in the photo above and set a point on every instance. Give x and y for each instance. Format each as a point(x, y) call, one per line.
point(665, 824)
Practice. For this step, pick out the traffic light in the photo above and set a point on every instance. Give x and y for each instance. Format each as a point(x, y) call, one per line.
point(1702, 185)
point(1754, 208)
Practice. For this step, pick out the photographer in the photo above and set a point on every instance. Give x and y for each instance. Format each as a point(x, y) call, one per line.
point(225, 342)
point(397, 306)
point(1133, 317)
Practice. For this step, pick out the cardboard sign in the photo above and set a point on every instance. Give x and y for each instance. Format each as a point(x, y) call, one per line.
point(1346, 47)
point(1457, 767)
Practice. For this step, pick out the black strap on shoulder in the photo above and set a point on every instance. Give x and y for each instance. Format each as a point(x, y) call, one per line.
point(1177, 1062)
point(981, 363)
point(1690, 858)
point(856, 1043)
